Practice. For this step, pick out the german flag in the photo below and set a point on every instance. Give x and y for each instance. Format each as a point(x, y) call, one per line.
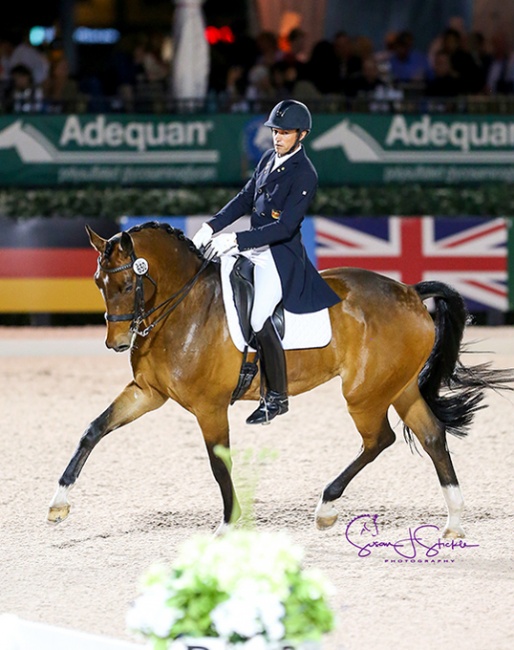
point(47, 265)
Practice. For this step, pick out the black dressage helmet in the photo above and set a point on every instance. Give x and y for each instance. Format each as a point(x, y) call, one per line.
point(290, 115)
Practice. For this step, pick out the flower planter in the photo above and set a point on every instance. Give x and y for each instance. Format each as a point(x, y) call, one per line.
point(257, 643)
point(247, 586)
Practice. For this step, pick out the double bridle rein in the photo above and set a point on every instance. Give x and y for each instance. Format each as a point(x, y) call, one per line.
point(139, 266)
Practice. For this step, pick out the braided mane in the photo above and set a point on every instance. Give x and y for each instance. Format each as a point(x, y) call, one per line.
point(173, 232)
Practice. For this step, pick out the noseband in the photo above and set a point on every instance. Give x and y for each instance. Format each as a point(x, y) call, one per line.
point(139, 266)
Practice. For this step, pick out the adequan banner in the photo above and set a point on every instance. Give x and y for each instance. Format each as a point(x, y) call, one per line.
point(173, 150)
point(124, 150)
point(442, 149)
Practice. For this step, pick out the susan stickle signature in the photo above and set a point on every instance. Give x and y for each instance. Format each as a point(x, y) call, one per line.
point(363, 531)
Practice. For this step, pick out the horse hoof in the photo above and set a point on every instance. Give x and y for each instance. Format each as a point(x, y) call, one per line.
point(326, 515)
point(457, 533)
point(56, 514)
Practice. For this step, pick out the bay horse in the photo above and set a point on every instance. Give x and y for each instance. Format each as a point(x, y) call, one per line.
point(164, 303)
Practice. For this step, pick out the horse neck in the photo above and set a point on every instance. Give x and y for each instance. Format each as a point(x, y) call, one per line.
point(173, 266)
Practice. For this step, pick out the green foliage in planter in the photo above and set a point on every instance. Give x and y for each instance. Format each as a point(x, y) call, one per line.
point(489, 200)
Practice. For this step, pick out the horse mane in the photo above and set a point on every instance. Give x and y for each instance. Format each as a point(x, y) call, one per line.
point(155, 225)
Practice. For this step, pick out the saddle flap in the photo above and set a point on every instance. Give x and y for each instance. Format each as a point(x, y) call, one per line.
point(242, 282)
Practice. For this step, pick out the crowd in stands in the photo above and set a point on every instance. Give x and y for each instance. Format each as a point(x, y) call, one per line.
point(456, 65)
point(248, 74)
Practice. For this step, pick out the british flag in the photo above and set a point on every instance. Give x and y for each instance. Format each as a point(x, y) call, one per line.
point(466, 252)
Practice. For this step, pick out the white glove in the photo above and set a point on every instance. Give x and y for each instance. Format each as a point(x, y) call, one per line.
point(223, 244)
point(203, 236)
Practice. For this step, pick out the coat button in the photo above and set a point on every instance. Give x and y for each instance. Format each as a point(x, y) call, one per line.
point(259, 191)
point(263, 214)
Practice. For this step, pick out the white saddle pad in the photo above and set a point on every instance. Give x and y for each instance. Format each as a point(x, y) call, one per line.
point(301, 331)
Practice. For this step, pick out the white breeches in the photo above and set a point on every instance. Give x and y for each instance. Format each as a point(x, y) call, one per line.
point(268, 289)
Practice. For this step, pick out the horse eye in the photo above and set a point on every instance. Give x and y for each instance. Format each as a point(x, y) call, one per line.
point(128, 288)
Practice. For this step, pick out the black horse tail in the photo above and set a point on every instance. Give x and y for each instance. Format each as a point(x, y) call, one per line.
point(454, 392)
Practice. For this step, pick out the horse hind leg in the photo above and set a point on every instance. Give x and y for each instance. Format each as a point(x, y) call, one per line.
point(431, 433)
point(377, 435)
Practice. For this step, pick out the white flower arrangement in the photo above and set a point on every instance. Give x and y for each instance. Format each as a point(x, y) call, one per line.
point(245, 589)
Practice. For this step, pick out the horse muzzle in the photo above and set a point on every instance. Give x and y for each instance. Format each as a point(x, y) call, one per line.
point(119, 342)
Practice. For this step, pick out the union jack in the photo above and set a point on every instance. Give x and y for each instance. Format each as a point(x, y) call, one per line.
point(466, 252)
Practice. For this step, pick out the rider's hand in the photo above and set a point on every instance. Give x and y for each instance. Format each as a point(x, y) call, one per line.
point(203, 236)
point(223, 244)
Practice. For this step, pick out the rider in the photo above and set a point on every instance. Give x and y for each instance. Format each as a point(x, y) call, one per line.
point(277, 197)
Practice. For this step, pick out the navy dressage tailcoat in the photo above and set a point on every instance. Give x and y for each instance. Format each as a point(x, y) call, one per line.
point(277, 202)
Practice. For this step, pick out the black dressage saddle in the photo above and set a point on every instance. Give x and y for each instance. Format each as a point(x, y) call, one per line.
point(243, 290)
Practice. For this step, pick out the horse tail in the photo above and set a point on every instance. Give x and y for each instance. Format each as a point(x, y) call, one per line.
point(454, 392)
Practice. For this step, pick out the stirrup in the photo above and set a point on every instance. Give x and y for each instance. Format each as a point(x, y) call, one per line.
point(272, 405)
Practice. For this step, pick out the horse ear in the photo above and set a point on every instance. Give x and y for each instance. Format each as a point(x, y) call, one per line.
point(97, 242)
point(126, 244)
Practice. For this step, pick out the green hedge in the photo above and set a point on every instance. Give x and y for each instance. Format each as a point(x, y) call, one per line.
point(490, 200)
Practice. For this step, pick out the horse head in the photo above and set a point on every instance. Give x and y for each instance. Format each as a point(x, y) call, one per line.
point(123, 280)
point(143, 274)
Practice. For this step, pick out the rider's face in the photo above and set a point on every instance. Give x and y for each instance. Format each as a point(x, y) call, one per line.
point(284, 139)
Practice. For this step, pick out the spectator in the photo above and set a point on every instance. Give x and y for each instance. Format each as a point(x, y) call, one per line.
point(322, 69)
point(407, 63)
point(455, 22)
point(482, 58)
point(6, 50)
point(260, 91)
point(461, 61)
point(296, 41)
point(349, 62)
point(23, 95)
point(61, 91)
point(244, 49)
point(30, 57)
point(296, 53)
point(383, 57)
point(500, 75)
point(236, 85)
point(367, 81)
point(445, 81)
point(268, 50)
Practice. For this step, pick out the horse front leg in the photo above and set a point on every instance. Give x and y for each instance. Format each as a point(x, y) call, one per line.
point(215, 432)
point(130, 404)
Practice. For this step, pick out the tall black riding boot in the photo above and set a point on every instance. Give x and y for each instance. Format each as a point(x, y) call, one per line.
point(273, 368)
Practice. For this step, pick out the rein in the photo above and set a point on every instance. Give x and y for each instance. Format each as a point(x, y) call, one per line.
point(140, 268)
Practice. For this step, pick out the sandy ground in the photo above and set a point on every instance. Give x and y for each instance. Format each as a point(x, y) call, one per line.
point(148, 487)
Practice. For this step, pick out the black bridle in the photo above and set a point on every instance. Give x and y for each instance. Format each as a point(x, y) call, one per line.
point(140, 268)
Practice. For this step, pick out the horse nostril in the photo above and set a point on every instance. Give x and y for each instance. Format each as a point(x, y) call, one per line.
point(117, 348)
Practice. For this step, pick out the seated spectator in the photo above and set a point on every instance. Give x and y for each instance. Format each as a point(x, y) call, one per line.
point(500, 75)
point(407, 64)
point(461, 61)
point(30, 57)
point(322, 69)
point(296, 41)
point(23, 95)
point(349, 63)
point(445, 82)
point(260, 91)
point(283, 78)
point(366, 80)
point(61, 91)
point(383, 57)
point(268, 51)
point(482, 58)
point(236, 84)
